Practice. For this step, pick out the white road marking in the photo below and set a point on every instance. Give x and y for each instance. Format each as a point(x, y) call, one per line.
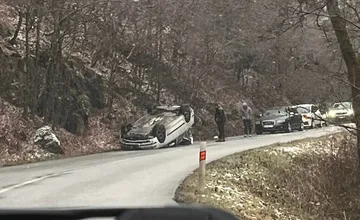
point(6, 189)
point(30, 181)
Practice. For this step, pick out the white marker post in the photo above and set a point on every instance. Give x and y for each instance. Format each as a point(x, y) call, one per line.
point(202, 163)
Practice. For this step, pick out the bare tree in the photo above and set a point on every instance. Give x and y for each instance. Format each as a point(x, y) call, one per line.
point(344, 22)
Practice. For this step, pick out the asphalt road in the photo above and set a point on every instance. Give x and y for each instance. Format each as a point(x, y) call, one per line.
point(140, 178)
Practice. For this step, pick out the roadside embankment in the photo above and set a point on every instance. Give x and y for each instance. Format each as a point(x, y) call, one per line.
point(307, 179)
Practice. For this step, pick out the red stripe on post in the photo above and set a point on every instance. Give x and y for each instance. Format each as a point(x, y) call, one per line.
point(202, 155)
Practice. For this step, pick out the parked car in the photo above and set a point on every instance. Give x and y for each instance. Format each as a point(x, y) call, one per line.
point(161, 126)
point(311, 115)
point(341, 112)
point(279, 119)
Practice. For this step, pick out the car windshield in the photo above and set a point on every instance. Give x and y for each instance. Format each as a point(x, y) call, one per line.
point(342, 105)
point(275, 112)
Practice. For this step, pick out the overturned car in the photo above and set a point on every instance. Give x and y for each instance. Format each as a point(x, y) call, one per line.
point(162, 126)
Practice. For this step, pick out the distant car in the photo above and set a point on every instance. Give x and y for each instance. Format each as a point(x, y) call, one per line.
point(311, 115)
point(341, 112)
point(276, 119)
point(161, 126)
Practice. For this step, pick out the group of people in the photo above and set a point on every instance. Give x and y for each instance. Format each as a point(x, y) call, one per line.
point(220, 119)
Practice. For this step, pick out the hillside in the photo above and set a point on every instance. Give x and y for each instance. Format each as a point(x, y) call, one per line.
point(87, 67)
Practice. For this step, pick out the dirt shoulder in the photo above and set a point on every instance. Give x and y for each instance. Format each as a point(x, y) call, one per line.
point(308, 179)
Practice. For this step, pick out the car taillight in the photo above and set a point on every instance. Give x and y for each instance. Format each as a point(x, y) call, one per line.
point(307, 117)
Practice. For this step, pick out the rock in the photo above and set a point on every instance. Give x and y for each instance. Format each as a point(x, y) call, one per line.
point(78, 118)
point(83, 105)
point(46, 139)
point(80, 125)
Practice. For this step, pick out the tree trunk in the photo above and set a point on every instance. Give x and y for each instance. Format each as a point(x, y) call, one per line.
point(17, 30)
point(27, 76)
point(54, 77)
point(349, 55)
point(37, 77)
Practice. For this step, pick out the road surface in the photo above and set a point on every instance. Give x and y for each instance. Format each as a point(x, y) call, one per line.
point(140, 178)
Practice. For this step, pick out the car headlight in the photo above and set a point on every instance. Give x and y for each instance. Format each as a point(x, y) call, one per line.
point(280, 121)
point(257, 122)
point(331, 114)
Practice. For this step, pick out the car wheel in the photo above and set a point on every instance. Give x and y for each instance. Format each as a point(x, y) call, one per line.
point(186, 112)
point(301, 126)
point(160, 132)
point(288, 127)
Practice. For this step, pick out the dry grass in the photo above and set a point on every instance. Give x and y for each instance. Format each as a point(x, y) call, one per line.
point(312, 179)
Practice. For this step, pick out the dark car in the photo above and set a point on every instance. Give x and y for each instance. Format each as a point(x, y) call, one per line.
point(276, 119)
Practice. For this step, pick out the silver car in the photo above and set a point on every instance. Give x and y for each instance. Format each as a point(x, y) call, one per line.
point(162, 126)
point(341, 112)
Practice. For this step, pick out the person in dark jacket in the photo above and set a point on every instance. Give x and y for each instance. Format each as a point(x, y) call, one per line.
point(220, 119)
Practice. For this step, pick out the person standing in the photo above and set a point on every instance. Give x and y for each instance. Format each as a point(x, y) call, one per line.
point(246, 116)
point(220, 119)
